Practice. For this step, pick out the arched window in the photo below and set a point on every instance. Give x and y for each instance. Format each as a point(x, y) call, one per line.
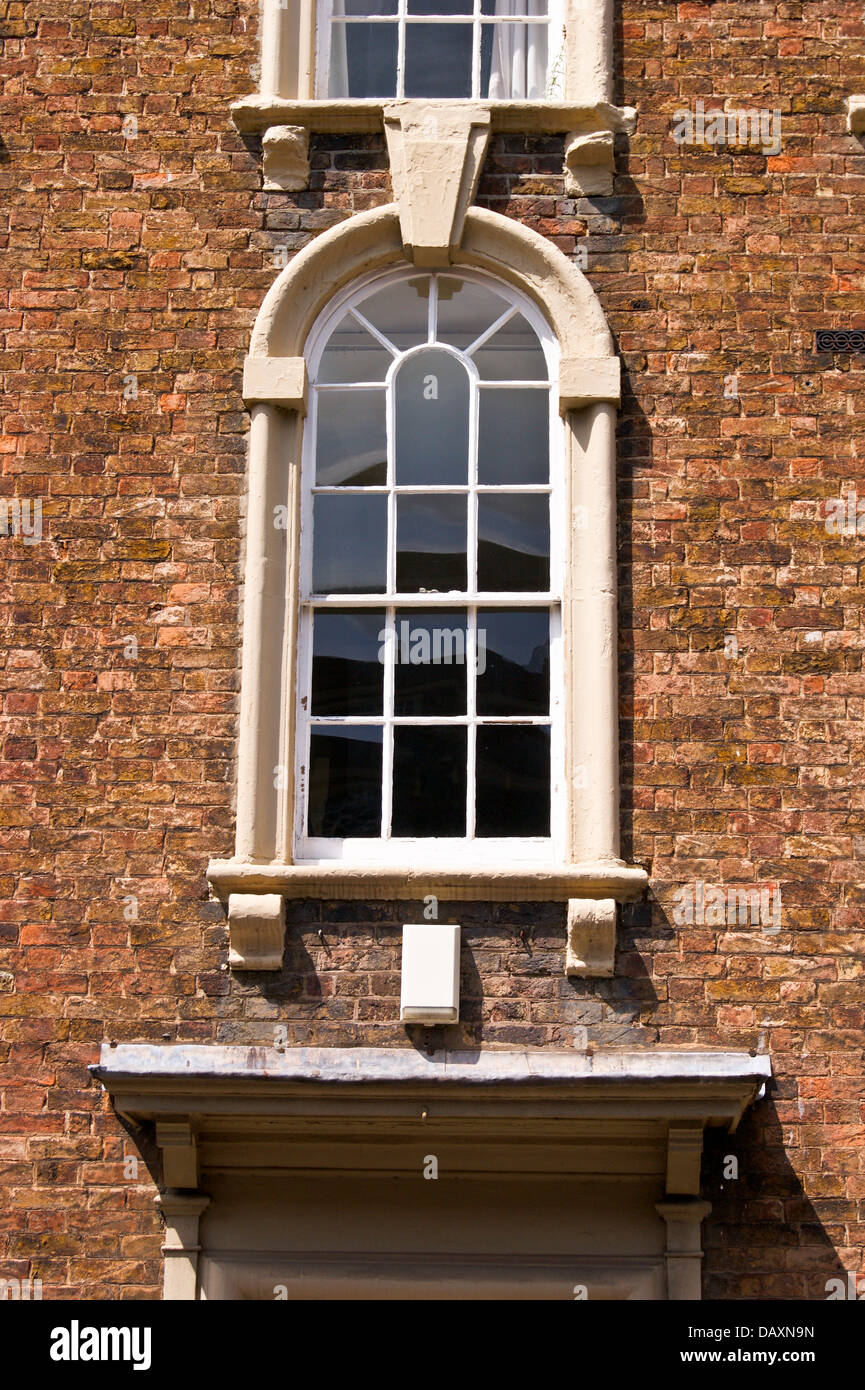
point(429, 665)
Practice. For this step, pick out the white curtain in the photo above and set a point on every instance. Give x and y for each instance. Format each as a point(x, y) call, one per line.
point(337, 85)
point(519, 68)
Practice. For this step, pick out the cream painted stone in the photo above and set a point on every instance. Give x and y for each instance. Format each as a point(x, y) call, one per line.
point(684, 1254)
point(177, 1140)
point(856, 115)
point(585, 380)
point(182, 1214)
point(436, 152)
point(280, 380)
point(591, 947)
point(589, 163)
point(256, 923)
point(285, 158)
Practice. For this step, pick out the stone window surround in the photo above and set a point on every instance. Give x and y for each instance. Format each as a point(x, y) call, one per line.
point(432, 224)
point(285, 108)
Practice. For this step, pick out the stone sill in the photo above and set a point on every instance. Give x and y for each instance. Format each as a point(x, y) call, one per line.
point(256, 113)
point(521, 883)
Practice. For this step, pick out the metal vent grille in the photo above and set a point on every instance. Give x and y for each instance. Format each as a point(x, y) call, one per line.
point(841, 339)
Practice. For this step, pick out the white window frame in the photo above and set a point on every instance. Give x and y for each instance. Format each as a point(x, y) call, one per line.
point(403, 850)
point(553, 20)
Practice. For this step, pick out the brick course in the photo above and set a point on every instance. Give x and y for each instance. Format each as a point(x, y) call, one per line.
point(147, 258)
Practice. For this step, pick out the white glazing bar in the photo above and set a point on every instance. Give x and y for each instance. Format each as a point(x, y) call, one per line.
point(471, 713)
point(446, 599)
point(432, 319)
point(387, 735)
point(476, 50)
point(371, 328)
point(400, 51)
point(493, 328)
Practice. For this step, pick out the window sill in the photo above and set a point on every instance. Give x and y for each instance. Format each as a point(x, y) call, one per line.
point(259, 113)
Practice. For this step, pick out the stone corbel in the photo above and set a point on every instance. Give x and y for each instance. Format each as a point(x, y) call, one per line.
point(435, 160)
point(591, 947)
point(584, 380)
point(278, 381)
point(256, 926)
point(285, 158)
point(590, 160)
point(181, 1212)
point(684, 1157)
point(179, 1145)
point(856, 115)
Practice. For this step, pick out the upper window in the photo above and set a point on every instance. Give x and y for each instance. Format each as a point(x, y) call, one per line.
point(498, 50)
point(429, 672)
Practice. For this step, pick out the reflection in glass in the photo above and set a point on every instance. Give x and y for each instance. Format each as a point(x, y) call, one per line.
point(349, 544)
point(432, 420)
point(345, 782)
point(347, 662)
point(513, 353)
point(400, 312)
point(465, 311)
point(431, 544)
point(363, 60)
point(514, 436)
point(352, 441)
point(429, 781)
point(513, 781)
point(438, 60)
point(429, 662)
point(514, 675)
point(353, 354)
point(514, 542)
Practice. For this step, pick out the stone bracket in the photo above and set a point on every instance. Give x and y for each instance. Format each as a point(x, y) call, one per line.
point(590, 160)
point(591, 948)
point(684, 1156)
point(279, 381)
point(584, 380)
point(435, 155)
point(856, 115)
point(179, 1144)
point(285, 158)
point(256, 926)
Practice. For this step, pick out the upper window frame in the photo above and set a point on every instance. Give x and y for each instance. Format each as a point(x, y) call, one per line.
point(408, 852)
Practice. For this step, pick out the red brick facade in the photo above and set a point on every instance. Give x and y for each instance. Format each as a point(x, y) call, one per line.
point(133, 265)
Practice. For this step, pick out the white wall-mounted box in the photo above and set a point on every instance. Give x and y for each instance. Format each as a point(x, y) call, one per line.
point(430, 989)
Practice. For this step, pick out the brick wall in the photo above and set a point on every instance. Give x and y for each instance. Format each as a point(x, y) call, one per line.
point(133, 263)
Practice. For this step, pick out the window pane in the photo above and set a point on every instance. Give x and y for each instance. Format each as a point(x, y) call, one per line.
point(432, 420)
point(514, 542)
point(429, 781)
point(363, 60)
point(353, 354)
point(351, 446)
point(514, 62)
point(438, 60)
point(345, 782)
point(429, 663)
point(349, 544)
point(465, 311)
point(400, 312)
point(513, 781)
point(512, 354)
point(365, 7)
point(514, 437)
point(431, 544)
point(440, 6)
point(348, 662)
point(513, 661)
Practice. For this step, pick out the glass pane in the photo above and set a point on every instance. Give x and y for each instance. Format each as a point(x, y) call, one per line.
point(513, 661)
point(365, 7)
point(432, 420)
point(348, 662)
point(349, 544)
point(353, 354)
point(431, 544)
point(465, 311)
point(513, 781)
point(400, 312)
point(535, 8)
point(345, 782)
point(429, 781)
point(363, 60)
point(429, 663)
point(438, 60)
point(512, 354)
point(514, 542)
point(514, 436)
point(514, 62)
point(351, 445)
point(440, 6)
